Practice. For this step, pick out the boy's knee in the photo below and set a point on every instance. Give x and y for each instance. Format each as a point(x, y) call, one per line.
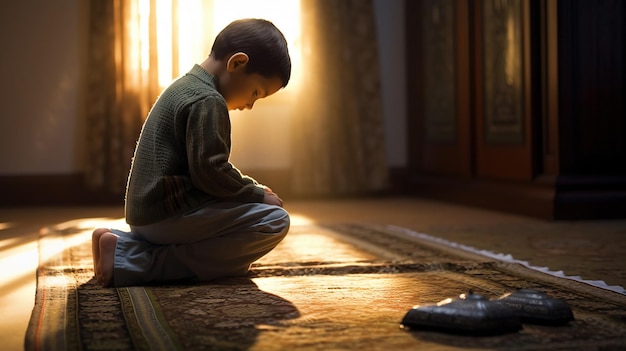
point(279, 220)
point(284, 217)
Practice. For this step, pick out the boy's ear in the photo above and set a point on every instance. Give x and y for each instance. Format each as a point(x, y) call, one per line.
point(237, 61)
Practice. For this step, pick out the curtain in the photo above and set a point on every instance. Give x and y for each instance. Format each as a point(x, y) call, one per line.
point(122, 85)
point(338, 136)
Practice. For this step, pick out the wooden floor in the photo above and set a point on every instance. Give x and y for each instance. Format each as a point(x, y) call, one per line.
point(594, 250)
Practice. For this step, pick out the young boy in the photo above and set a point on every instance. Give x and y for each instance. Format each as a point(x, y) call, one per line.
point(192, 214)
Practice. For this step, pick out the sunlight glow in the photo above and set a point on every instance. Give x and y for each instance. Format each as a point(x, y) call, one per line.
point(186, 28)
point(18, 261)
point(194, 33)
point(164, 46)
point(22, 260)
point(389, 295)
point(297, 219)
point(285, 14)
point(5, 225)
point(55, 247)
point(8, 242)
point(144, 33)
point(81, 224)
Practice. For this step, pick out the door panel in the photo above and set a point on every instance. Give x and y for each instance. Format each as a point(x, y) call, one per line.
point(442, 107)
point(502, 90)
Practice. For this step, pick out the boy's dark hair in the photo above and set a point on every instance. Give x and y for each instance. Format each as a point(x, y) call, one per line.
point(264, 44)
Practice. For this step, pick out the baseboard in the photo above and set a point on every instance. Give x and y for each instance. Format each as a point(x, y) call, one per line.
point(590, 197)
point(524, 199)
point(52, 190)
point(561, 198)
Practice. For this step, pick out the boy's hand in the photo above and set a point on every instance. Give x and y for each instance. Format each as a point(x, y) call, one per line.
point(271, 198)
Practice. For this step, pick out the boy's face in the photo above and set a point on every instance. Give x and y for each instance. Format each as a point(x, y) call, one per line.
point(240, 89)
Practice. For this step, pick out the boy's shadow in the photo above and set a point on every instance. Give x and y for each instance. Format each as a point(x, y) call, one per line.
point(228, 313)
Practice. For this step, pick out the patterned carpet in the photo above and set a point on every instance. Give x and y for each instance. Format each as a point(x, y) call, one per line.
point(339, 287)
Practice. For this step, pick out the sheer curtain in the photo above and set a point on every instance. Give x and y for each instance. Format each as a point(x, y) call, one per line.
point(338, 136)
point(121, 89)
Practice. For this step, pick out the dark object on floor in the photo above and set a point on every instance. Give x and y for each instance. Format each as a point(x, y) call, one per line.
point(537, 307)
point(468, 314)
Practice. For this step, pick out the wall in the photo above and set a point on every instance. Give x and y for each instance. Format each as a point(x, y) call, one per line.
point(40, 86)
point(41, 92)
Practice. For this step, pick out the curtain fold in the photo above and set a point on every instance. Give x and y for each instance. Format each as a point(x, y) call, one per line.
point(338, 135)
point(121, 88)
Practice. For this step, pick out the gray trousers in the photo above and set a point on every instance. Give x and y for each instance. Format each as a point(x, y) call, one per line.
point(218, 240)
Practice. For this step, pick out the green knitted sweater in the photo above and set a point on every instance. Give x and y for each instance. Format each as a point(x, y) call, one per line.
point(182, 158)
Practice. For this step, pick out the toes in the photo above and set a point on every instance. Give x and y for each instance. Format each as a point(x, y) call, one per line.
point(95, 248)
point(98, 233)
point(107, 244)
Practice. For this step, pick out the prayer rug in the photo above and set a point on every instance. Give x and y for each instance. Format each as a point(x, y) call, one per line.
point(335, 287)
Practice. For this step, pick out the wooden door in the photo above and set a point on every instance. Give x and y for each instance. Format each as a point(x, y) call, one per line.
point(439, 87)
point(502, 90)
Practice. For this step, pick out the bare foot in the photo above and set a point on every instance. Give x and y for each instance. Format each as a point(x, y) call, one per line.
point(107, 244)
point(95, 249)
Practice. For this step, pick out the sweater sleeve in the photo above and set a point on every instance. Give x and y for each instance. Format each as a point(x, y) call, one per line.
point(208, 152)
